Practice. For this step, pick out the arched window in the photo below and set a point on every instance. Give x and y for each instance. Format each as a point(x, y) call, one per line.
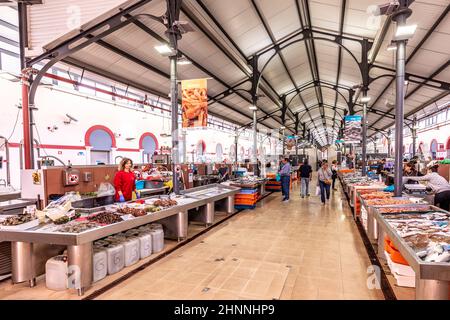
point(201, 150)
point(101, 140)
point(232, 153)
point(433, 149)
point(219, 152)
point(149, 144)
point(448, 148)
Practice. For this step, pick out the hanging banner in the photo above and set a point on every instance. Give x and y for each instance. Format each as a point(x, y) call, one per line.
point(353, 129)
point(194, 103)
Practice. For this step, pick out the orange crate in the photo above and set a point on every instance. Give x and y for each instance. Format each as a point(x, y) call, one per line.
point(245, 202)
point(247, 196)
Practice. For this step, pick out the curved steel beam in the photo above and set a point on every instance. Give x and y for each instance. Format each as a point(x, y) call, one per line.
point(324, 85)
point(304, 39)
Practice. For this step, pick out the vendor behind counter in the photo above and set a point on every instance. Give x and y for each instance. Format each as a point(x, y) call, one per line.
point(438, 184)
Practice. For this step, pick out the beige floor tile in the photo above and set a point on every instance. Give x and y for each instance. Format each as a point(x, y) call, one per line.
point(234, 284)
point(256, 288)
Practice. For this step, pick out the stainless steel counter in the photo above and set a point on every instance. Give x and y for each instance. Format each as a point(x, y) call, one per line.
point(79, 245)
point(432, 279)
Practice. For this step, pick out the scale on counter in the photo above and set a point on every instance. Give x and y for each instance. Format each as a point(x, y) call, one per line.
point(415, 189)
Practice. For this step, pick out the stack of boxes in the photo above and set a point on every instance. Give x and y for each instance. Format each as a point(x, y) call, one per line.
point(272, 183)
point(246, 198)
point(402, 272)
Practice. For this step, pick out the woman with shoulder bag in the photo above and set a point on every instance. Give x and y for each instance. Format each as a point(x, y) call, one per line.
point(325, 181)
point(334, 170)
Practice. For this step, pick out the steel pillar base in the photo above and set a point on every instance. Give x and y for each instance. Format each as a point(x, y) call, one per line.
point(32, 282)
point(176, 226)
point(204, 214)
point(80, 268)
point(22, 262)
point(432, 289)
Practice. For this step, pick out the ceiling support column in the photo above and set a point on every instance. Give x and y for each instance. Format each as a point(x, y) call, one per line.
point(400, 18)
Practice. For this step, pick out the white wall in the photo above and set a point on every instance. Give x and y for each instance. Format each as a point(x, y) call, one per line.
point(125, 122)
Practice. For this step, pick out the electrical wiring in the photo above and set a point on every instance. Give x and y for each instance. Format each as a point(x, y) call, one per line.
point(14, 129)
point(39, 140)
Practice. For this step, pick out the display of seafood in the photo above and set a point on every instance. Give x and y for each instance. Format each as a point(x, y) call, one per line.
point(77, 227)
point(387, 202)
point(428, 234)
point(105, 218)
point(377, 195)
point(165, 203)
point(72, 215)
point(135, 212)
point(152, 209)
point(18, 219)
point(403, 209)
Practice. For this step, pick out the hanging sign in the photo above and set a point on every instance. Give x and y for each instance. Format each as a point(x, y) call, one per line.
point(290, 142)
point(353, 129)
point(194, 103)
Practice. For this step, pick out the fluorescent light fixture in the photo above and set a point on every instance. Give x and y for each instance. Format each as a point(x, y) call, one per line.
point(183, 61)
point(391, 47)
point(164, 49)
point(253, 108)
point(405, 32)
point(282, 127)
point(365, 99)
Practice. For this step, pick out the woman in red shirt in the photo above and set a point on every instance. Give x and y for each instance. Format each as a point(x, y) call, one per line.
point(125, 181)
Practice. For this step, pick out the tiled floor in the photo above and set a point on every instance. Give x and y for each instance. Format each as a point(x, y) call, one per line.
point(294, 250)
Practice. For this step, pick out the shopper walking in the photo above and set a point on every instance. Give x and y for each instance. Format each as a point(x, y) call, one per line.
point(305, 178)
point(285, 176)
point(125, 181)
point(438, 184)
point(334, 171)
point(324, 177)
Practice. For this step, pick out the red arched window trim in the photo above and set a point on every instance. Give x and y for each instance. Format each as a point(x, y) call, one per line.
point(99, 127)
point(448, 144)
point(151, 135)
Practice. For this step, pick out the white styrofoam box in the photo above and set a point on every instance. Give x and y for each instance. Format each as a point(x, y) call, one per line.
point(145, 245)
point(398, 268)
point(405, 281)
point(157, 240)
point(56, 273)
point(132, 253)
point(100, 264)
point(116, 258)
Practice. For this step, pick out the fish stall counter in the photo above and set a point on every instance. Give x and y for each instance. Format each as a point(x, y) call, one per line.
point(211, 199)
point(79, 234)
point(421, 235)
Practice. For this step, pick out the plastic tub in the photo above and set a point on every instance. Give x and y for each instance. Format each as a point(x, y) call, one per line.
point(100, 264)
point(116, 258)
point(56, 273)
point(157, 240)
point(132, 253)
point(145, 244)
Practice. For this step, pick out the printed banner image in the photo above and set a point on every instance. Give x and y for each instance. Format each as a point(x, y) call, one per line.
point(353, 129)
point(194, 103)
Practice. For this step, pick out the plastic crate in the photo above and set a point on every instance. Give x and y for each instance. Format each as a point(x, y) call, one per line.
point(244, 207)
point(140, 184)
point(246, 196)
point(245, 202)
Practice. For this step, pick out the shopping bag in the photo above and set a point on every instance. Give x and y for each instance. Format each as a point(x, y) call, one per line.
point(278, 177)
point(317, 191)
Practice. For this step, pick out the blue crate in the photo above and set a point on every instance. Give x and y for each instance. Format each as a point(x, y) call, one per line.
point(244, 207)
